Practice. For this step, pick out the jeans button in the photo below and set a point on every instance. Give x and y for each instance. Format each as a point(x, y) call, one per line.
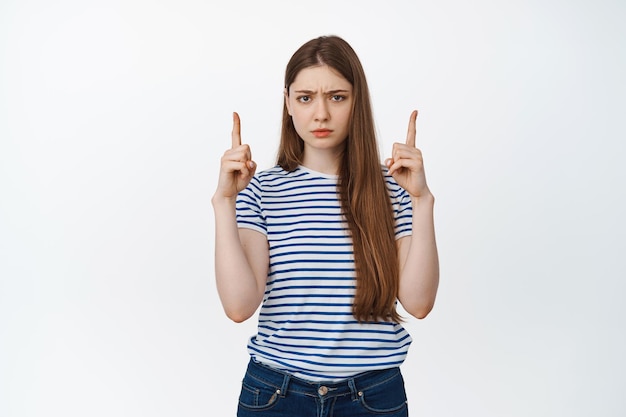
point(322, 390)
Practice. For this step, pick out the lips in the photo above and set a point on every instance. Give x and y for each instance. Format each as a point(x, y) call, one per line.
point(321, 133)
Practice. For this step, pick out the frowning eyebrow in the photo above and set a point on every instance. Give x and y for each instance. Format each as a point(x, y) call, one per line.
point(330, 93)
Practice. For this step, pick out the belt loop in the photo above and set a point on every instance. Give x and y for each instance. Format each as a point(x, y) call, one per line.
point(353, 389)
point(283, 388)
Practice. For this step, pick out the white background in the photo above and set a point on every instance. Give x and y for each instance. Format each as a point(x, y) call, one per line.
point(113, 117)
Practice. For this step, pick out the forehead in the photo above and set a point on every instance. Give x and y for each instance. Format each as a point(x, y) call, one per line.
point(320, 77)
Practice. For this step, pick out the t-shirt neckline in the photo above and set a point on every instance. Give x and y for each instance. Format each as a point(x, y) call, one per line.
point(317, 173)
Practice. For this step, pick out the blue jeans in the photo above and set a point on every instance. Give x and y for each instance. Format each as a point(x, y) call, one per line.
point(266, 392)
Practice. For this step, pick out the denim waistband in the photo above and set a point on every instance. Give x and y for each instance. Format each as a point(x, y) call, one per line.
point(284, 382)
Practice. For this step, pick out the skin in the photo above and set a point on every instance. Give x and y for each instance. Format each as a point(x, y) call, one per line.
point(242, 255)
point(417, 254)
point(320, 98)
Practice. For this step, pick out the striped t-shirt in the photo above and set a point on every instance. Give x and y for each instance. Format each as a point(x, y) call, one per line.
point(306, 326)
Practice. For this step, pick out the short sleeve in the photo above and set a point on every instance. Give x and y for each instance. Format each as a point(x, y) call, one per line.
point(401, 206)
point(249, 209)
point(403, 215)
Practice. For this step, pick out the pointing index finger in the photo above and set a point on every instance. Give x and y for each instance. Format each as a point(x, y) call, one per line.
point(410, 135)
point(236, 135)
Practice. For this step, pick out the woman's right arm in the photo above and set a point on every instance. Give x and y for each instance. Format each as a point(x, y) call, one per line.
point(241, 255)
point(241, 263)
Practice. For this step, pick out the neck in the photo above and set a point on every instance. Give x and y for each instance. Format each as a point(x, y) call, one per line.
point(325, 162)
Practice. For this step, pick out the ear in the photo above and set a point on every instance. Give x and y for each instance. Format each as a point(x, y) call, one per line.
point(286, 94)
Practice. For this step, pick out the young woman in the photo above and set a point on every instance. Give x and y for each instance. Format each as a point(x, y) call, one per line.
point(327, 242)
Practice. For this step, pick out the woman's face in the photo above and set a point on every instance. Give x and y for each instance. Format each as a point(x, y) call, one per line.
point(319, 102)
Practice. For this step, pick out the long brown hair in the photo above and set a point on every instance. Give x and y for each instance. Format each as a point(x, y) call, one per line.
point(364, 198)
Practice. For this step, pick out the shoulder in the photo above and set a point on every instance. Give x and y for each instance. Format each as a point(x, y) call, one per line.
point(271, 181)
point(276, 178)
point(270, 173)
point(277, 173)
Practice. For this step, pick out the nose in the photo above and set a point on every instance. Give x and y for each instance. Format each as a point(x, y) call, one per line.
point(321, 110)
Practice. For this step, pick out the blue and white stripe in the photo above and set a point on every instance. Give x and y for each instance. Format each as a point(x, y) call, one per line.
point(306, 325)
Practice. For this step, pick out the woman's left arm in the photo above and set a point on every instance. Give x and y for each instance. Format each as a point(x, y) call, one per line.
point(417, 254)
point(419, 261)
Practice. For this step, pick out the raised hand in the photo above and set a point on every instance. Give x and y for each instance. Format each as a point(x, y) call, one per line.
point(237, 167)
point(406, 164)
